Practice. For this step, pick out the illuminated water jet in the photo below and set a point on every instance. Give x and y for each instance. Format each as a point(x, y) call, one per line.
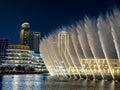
point(89, 49)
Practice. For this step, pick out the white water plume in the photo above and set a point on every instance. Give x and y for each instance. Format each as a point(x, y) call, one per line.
point(88, 49)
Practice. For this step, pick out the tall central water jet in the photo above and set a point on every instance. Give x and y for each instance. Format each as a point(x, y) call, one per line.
point(89, 49)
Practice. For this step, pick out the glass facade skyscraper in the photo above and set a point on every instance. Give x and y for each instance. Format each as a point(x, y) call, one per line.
point(34, 41)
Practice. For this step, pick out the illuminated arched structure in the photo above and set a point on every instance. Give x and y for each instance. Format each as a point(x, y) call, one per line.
point(24, 33)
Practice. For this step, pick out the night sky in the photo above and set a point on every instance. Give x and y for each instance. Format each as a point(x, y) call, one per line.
point(47, 15)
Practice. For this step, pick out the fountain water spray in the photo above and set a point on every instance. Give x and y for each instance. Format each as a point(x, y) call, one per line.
point(88, 49)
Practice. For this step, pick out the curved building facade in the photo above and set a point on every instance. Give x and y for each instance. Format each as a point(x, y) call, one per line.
point(18, 55)
point(24, 33)
point(88, 49)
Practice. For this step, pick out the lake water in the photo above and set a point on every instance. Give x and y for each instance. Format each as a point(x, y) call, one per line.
point(37, 82)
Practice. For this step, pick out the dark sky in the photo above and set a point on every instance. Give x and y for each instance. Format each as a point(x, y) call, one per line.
point(46, 15)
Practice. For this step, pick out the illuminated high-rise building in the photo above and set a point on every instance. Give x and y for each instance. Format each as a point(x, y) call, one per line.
point(24, 33)
point(34, 41)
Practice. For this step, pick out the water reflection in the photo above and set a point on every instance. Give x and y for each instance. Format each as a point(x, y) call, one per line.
point(20, 82)
point(36, 82)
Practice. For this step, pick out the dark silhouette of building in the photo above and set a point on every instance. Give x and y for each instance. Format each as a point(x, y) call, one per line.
point(34, 41)
point(3, 46)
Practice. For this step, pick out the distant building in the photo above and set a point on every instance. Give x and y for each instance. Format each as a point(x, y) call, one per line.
point(63, 41)
point(3, 46)
point(30, 38)
point(34, 41)
point(24, 34)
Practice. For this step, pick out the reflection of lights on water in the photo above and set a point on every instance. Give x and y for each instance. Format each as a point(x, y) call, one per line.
point(15, 82)
point(112, 85)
